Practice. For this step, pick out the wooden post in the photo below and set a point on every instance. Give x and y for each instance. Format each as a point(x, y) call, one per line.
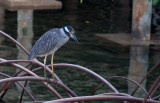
point(25, 28)
point(141, 30)
point(25, 31)
point(141, 19)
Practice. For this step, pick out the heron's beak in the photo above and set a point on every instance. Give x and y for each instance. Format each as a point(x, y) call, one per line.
point(74, 37)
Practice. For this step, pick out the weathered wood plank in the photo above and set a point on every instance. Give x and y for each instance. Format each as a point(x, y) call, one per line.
point(126, 40)
point(141, 19)
point(14, 5)
point(121, 39)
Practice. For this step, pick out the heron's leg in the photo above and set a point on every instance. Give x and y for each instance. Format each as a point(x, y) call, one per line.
point(52, 66)
point(45, 66)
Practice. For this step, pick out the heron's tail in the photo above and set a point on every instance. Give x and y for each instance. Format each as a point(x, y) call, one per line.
point(31, 56)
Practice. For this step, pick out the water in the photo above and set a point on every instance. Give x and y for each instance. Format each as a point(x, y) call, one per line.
point(105, 59)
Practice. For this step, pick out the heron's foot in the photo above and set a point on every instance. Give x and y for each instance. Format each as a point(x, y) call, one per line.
point(56, 82)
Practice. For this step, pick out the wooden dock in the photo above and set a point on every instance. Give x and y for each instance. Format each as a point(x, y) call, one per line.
point(124, 40)
point(14, 5)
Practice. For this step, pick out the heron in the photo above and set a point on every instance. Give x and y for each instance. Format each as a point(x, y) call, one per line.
point(50, 42)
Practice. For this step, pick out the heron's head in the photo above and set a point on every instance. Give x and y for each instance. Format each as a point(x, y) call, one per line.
point(70, 32)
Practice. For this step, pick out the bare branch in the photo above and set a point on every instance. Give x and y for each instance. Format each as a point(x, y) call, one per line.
point(153, 86)
point(7, 85)
point(35, 78)
point(33, 74)
point(131, 80)
point(20, 85)
point(121, 78)
point(96, 98)
point(14, 61)
point(157, 97)
point(15, 41)
point(73, 66)
point(151, 70)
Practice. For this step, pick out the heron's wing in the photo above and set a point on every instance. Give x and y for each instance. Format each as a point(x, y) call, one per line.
point(45, 44)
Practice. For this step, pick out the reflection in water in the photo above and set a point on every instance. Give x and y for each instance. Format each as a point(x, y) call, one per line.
point(25, 34)
point(138, 67)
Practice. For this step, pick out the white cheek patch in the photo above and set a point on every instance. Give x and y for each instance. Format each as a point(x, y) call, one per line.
point(66, 29)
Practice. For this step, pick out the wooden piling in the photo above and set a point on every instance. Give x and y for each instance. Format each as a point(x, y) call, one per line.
point(141, 19)
point(25, 27)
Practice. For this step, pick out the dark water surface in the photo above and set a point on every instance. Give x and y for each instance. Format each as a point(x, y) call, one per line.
point(106, 60)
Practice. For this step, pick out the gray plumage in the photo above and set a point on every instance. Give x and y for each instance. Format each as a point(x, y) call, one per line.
point(51, 41)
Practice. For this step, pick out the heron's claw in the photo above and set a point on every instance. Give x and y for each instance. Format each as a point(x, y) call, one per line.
point(47, 80)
